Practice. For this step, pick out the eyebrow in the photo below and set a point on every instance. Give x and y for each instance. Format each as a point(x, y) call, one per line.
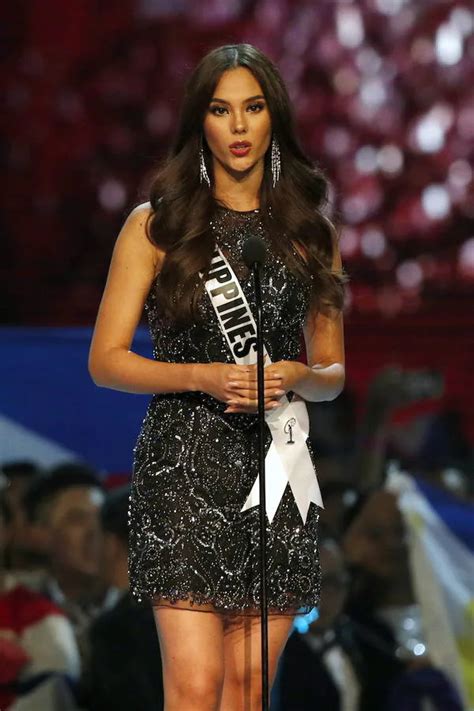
point(251, 98)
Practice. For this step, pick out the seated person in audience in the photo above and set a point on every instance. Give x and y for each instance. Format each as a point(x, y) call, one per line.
point(386, 615)
point(36, 639)
point(64, 508)
point(22, 555)
point(322, 668)
point(124, 670)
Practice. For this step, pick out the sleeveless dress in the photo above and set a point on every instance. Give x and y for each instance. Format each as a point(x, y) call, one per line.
point(194, 465)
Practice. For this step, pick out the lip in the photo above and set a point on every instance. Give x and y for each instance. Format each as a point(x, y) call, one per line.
point(240, 148)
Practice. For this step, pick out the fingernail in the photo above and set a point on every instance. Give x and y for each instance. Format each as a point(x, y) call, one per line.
point(275, 404)
point(280, 392)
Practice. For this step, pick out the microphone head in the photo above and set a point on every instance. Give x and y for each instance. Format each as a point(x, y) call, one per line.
point(254, 251)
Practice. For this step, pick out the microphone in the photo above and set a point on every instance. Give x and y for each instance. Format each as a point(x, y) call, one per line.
point(254, 251)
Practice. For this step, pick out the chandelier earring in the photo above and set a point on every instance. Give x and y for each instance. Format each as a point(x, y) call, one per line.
point(203, 174)
point(275, 161)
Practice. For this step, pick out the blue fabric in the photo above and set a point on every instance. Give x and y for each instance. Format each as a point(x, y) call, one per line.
point(413, 687)
point(457, 515)
point(46, 387)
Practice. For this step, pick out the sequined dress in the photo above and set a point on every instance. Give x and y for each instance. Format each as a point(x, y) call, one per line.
point(194, 466)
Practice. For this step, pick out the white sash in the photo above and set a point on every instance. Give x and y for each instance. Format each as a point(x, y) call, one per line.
point(288, 459)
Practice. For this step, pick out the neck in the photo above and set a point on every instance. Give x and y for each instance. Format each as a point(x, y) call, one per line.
point(239, 191)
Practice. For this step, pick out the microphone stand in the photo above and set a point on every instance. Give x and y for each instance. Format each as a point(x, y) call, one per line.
point(262, 493)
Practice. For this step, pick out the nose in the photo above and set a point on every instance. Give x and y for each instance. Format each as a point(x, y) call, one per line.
point(239, 123)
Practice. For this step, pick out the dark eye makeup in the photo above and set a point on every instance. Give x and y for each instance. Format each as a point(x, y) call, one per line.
point(254, 108)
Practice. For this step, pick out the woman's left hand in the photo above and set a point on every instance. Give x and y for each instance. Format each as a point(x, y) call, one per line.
point(287, 372)
point(290, 371)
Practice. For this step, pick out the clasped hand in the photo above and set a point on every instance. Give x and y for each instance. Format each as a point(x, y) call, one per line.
point(236, 385)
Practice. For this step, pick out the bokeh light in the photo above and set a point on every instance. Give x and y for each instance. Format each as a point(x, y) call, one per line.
point(383, 96)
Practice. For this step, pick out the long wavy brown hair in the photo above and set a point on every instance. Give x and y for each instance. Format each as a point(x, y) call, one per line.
point(182, 206)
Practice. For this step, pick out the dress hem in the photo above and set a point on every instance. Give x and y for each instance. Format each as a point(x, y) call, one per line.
point(197, 603)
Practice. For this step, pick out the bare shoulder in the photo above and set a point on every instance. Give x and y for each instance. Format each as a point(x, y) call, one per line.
point(140, 213)
point(134, 236)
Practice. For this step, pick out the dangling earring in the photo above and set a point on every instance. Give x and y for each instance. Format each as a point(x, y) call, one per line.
point(203, 176)
point(275, 161)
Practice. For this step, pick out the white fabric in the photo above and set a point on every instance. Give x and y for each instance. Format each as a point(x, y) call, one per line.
point(339, 667)
point(343, 675)
point(52, 695)
point(51, 646)
point(443, 575)
point(288, 459)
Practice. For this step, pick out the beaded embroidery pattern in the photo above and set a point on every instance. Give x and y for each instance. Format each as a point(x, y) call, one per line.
point(194, 465)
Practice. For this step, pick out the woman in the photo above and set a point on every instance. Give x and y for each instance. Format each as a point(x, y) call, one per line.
point(235, 169)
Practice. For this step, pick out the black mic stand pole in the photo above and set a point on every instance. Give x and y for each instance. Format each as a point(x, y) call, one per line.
point(262, 493)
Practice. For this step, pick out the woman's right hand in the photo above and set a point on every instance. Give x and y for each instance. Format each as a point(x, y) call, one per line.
point(236, 385)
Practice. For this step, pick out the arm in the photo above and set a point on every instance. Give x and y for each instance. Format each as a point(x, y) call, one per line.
point(323, 377)
point(135, 261)
point(134, 264)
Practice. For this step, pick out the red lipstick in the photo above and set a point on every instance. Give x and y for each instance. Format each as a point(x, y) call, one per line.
point(240, 148)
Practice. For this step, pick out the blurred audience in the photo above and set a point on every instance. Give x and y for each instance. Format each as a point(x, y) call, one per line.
point(21, 550)
point(323, 668)
point(63, 507)
point(38, 651)
point(367, 651)
point(124, 669)
point(386, 614)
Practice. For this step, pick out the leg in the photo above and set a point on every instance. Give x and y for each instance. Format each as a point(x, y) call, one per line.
point(192, 651)
point(242, 651)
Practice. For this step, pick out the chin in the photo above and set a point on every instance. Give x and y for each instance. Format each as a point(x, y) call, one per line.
point(240, 167)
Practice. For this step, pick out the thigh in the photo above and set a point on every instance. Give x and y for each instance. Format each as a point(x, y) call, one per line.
point(242, 647)
point(191, 642)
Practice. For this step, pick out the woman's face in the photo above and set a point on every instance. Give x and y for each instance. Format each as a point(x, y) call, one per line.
point(237, 125)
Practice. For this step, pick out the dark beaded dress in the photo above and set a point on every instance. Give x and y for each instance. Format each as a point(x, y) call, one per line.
point(195, 466)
